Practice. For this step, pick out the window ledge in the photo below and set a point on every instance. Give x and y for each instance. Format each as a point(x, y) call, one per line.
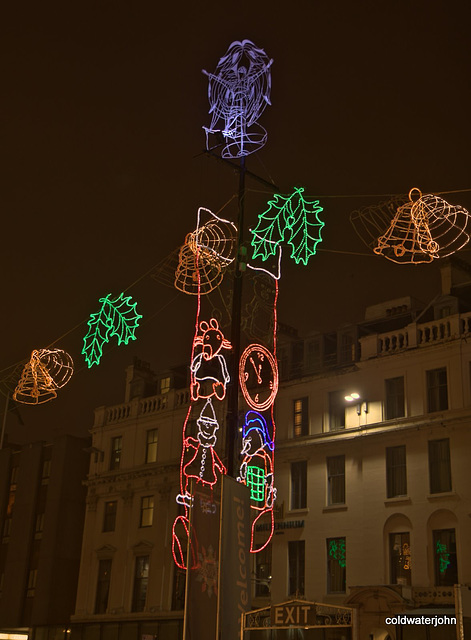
point(334, 507)
point(398, 500)
point(442, 496)
point(298, 512)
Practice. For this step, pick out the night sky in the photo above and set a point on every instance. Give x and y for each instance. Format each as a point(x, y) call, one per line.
point(103, 172)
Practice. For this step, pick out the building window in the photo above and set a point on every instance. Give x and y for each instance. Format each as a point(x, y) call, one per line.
point(336, 410)
point(336, 480)
point(399, 554)
point(116, 445)
point(439, 465)
point(151, 446)
point(300, 417)
point(396, 473)
point(299, 484)
point(296, 551)
point(446, 565)
point(109, 520)
point(263, 571)
point(165, 385)
point(437, 390)
point(141, 579)
point(147, 511)
point(394, 406)
point(336, 565)
point(103, 586)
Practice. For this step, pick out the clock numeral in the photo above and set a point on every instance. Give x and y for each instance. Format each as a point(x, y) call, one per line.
point(246, 375)
point(271, 384)
point(256, 399)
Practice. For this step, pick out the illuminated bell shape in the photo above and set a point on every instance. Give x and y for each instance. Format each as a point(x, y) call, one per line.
point(59, 365)
point(36, 385)
point(447, 224)
point(374, 221)
point(194, 276)
point(215, 241)
point(403, 242)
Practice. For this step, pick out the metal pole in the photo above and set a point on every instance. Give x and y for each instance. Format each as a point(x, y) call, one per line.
point(4, 421)
point(233, 395)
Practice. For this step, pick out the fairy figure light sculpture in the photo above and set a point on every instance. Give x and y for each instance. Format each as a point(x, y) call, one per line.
point(238, 92)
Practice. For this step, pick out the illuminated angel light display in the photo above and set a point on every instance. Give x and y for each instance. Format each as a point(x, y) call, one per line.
point(209, 374)
point(46, 371)
point(416, 231)
point(206, 253)
point(256, 470)
point(292, 219)
point(116, 317)
point(238, 92)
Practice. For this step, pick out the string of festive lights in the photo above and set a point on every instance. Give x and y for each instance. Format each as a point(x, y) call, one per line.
point(238, 92)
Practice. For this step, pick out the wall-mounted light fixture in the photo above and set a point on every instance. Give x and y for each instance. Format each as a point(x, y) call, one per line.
point(355, 397)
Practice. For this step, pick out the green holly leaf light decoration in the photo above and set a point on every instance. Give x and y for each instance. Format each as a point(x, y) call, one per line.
point(117, 317)
point(291, 216)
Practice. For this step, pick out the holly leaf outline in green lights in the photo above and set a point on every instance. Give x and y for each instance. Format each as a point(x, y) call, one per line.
point(291, 216)
point(117, 317)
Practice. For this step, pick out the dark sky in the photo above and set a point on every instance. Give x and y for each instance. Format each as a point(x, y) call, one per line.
point(101, 139)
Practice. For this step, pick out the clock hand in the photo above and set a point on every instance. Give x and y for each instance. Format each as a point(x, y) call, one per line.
point(257, 371)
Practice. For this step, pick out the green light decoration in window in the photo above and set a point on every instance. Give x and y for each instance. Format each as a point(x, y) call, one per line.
point(337, 550)
point(290, 218)
point(256, 482)
point(117, 317)
point(443, 556)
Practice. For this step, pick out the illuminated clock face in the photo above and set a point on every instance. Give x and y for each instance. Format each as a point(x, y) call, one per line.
point(258, 377)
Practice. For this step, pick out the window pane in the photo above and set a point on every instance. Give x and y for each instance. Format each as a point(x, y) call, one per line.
point(300, 417)
point(446, 565)
point(103, 586)
point(263, 571)
point(336, 565)
point(296, 551)
point(437, 390)
point(115, 459)
point(298, 484)
point(394, 398)
point(337, 410)
point(109, 521)
point(439, 465)
point(141, 579)
point(147, 511)
point(396, 472)
point(336, 480)
point(399, 554)
point(151, 447)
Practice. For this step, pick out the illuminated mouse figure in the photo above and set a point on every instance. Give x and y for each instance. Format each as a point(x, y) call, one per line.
point(209, 375)
point(256, 470)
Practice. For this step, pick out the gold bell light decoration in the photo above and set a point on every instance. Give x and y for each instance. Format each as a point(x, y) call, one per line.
point(207, 252)
point(425, 228)
point(46, 371)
